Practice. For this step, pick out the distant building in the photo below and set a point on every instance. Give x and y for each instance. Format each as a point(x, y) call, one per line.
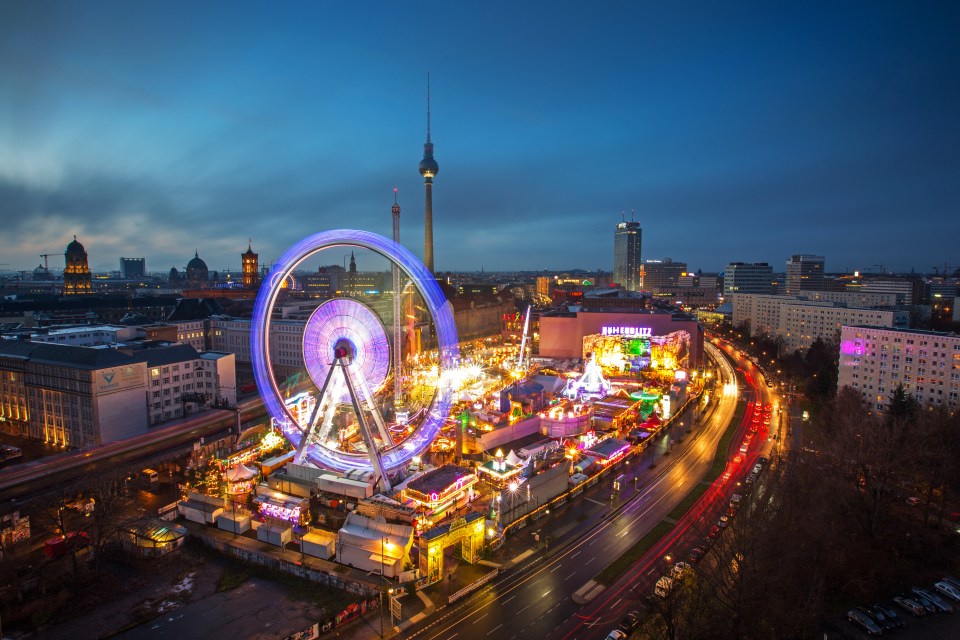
point(131, 268)
point(800, 320)
point(198, 276)
point(251, 273)
point(76, 273)
point(907, 290)
point(325, 283)
point(562, 333)
point(627, 240)
point(544, 286)
point(804, 273)
point(874, 361)
point(742, 277)
point(663, 274)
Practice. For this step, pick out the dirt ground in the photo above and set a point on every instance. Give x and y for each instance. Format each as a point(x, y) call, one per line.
point(132, 593)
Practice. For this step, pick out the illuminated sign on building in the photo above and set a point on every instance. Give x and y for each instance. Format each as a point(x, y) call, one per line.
point(271, 510)
point(639, 332)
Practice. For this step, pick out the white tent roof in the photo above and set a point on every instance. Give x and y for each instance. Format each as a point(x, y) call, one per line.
point(240, 473)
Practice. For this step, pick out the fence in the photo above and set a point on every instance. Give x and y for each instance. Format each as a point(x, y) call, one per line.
point(279, 564)
point(349, 614)
point(476, 584)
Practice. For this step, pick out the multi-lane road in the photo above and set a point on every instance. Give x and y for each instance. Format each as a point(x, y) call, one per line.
point(535, 600)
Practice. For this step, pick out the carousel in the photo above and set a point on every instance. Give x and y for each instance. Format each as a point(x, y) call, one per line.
point(240, 480)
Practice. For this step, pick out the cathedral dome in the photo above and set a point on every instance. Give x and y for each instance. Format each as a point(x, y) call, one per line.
point(75, 247)
point(197, 262)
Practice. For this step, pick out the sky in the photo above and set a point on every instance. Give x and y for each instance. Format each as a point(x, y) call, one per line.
point(731, 131)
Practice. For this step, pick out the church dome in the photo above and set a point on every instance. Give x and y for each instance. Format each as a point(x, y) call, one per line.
point(197, 262)
point(75, 247)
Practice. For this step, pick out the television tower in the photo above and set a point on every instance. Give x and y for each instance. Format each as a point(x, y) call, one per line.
point(428, 169)
point(397, 356)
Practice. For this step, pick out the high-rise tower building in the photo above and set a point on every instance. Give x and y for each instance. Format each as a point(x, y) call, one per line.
point(804, 273)
point(428, 169)
point(743, 277)
point(251, 272)
point(133, 267)
point(626, 255)
point(76, 273)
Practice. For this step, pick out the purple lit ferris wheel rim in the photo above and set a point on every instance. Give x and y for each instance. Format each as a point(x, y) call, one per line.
point(436, 304)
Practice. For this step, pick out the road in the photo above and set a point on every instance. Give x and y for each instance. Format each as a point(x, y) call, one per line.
point(534, 600)
point(28, 481)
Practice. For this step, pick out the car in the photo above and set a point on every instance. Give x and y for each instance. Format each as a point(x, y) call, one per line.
point(864, 621)
point(927, 605)
point(735, 502)
point(763, 460)
point(738, 459)
point(723, 522)
point(888, 613)
point(757, 468)
point(630, 622)
point(913, 501)
point(910, 605)
point(731, 512)
point(696, 554)
point(616, 634)
point(878, 617)
point(714, 532)
point(952, 581)
point(938, 602)
point(948, 590)
point(754, 427)
point(750, 480)
point(744, 447)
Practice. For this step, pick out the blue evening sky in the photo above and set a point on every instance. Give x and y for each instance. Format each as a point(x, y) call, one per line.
point(736, 131)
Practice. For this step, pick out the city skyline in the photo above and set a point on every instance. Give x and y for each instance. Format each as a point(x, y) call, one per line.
point(778, 130)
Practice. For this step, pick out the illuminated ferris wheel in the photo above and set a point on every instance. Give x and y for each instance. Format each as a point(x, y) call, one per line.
point(347, 357)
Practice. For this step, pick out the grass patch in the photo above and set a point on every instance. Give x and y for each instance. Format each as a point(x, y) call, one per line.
point(231, 578)
point(616, 568)
point(688, 501)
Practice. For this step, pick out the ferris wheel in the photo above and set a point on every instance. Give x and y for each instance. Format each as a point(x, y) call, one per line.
point(347, 357)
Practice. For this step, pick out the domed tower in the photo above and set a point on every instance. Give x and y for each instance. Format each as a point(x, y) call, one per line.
point(251, 272)
point(198, 276)
point(174, 279)
point(76, 274)
point(428, 169)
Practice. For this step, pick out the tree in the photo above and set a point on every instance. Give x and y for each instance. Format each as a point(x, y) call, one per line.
point(902, 406)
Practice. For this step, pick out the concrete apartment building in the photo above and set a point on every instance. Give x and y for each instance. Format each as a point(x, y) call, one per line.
point(800, 321)
point(874, 361)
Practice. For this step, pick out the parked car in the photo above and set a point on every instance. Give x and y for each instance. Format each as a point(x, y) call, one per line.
point(938, 602)
point(696, 554)
point(913, 501)
point(948, 590)
point(757, 468)
point(864, 621)
point(714, 532)
point(679, 569)
point(616, 634)
point(889, 614)
point(878, 617)
point(910, 605)
point(927, 605)
point(952, 581)
point(723, 522)
point(630, 622)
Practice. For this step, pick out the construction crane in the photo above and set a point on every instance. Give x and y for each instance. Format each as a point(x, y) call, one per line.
point(46, 263)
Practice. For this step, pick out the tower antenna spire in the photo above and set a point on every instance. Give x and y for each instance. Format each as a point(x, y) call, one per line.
point(428, 106)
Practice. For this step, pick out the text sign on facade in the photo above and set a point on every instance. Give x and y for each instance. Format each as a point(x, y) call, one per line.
point(638, 332)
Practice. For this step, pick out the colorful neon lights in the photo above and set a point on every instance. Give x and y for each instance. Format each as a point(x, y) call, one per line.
point(436, 305)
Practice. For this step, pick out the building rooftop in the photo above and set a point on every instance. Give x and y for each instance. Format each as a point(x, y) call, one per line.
point(436, 480)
